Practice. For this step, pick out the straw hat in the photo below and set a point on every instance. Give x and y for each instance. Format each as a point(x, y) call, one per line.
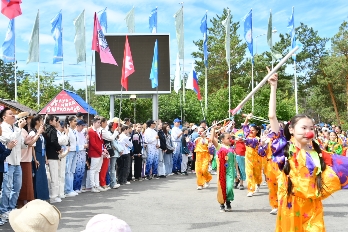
point(22, 115)
point(106, 223)
point(117, 120)
point(36, 216)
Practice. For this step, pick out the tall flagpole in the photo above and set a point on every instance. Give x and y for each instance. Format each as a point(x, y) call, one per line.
point(62, 54)
point(252, 85)
point(15, 63)
point(206, 77)
point(296, 104)
point(84, 28)
point(183, 64)
point(38, 65)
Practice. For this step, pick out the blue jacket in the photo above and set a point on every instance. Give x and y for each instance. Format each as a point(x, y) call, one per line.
point(4, 152)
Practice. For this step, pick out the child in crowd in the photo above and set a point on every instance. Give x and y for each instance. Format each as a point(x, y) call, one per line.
point(184, 151)
point(226, 168)
point(202, 160)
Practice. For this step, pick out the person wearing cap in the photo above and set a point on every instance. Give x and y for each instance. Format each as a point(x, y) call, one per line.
point(176, 134)
point(80, 156)
point(52, 152)
point(37, 216)
point(12, 180)
point(152, 145)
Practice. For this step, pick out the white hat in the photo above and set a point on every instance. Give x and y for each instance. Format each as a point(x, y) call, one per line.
point(194, 127)
point(106, 223)
point(36, 216)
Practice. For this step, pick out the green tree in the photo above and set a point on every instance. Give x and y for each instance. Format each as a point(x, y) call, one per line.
point(7, 79)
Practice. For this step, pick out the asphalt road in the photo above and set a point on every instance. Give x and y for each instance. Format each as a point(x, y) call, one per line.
point(174, 204)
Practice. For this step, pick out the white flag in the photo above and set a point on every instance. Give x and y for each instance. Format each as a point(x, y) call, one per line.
point(130, 21)
point(227, 24)
point(189, 81)
point(34, 42)
point(80, 38)
point(179, 25)
point(177, 78)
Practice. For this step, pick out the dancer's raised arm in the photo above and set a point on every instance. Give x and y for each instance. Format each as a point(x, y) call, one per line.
point(273, 80)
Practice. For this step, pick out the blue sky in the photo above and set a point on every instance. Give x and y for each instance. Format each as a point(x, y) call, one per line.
point(324, 16)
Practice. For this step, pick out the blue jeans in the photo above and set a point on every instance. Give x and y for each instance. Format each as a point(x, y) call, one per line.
point(168, 163)
point(10, 188)
point(112, 171)
point(71, 160)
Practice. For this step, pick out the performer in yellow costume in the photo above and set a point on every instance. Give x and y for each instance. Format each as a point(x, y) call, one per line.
point(306, 176)
point(253, 162)
point(202, 160)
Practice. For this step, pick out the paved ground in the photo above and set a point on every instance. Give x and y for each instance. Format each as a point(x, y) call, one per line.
point(174, 204)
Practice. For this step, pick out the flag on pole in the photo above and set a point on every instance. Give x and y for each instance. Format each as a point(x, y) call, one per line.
point(34, 42)
point(204, 30)
point(153, 21)
point(177, 78)
point(179, 25)
point(56, 31)
point(130, 21)
point(103, 20)
point(8, 47)
point(11, 8)
point(291, 26)
point(154, 68)
point(192, 83)
point(275, 54)
point(100, 45)
point(80, 38)
point(227, 24)
point(248, 31)
point(128, 67)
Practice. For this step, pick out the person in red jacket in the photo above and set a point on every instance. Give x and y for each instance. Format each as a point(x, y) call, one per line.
point(240, 158)
point(96, 147)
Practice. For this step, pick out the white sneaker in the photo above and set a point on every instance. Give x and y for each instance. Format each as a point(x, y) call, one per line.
point(264, 183)
point(101, 189)
point(62, 196)
point(78, 191)
point(213, 172)
point(71, 194)
point(199, 188)
point(274, 211)
point(206, 185)
point(257, 189)
point(55, 200)
point(116, 186)
point(95, 190)
point(128, 182)
point(4, 216)
point(250, 194)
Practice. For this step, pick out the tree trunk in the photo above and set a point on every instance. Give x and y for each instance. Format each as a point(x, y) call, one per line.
point(334, 103)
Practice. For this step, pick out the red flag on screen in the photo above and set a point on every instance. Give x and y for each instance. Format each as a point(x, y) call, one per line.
point(128, 67)
point(11, 8)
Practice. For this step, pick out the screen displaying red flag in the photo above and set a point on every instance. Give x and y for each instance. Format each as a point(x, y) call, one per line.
point(11, 8)
point(100, 45)
point(128, 67)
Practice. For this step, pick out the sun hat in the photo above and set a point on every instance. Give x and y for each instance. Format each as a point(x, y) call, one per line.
point(36, 216)
point(106, 223)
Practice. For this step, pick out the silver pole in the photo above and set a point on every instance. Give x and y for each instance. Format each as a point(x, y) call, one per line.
point(265, 79)
point(15, 63)
point(206, 92)
point(252, 86)
point(296, 103)
point(229, 89)
point(38, 68)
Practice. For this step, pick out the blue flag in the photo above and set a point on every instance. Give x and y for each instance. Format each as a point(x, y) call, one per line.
point(56, 31)
point(204, 30)
point(154, 68)
point(248, 31)
point(291, 26)
point(153, 21)
point(8, 47)
point(103, 20)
